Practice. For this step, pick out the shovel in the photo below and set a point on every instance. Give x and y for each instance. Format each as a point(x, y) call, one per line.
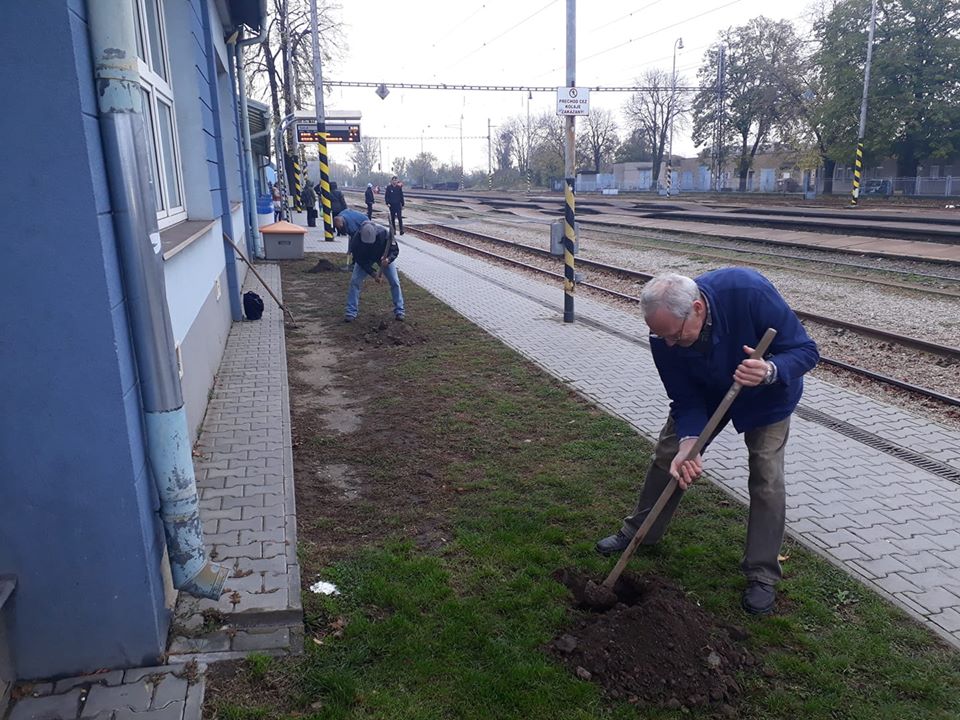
point(604, 595)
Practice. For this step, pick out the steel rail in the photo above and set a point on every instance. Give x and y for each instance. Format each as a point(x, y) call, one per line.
point(905, 340)
point(879, 377)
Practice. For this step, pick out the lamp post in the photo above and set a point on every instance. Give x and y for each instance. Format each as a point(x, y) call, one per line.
point(677, 45)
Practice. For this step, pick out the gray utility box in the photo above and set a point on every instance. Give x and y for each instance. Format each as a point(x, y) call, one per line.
point(556, 238)
point(282, 241)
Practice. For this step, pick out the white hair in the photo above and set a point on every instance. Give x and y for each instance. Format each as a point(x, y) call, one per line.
point(670, 291)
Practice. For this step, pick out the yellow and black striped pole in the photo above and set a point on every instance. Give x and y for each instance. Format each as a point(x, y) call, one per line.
point(325, 189)
point(297, 184)
point(569, 242)
point(857, 169)
point(858, 166)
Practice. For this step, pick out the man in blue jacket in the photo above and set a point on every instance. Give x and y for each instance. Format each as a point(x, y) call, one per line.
point(701, 335)
point(347, 222)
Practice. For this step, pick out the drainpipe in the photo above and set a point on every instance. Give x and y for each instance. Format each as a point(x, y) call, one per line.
point(245, 125)
point(226, 219)
point(135, 227)
point(249, 214)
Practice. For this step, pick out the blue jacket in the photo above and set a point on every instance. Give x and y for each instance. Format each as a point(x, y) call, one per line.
point(743, 304)
point(352, 220)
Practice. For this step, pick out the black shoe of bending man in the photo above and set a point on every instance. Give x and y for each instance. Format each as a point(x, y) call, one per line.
point(759, 598)
point(613, 544)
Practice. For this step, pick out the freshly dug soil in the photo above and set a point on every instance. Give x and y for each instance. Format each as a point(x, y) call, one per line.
point(323, 265)
point(656, 646)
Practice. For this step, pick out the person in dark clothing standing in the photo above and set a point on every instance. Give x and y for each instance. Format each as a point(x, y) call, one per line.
point(368, 198)
point(702, 332)
point(309, 199)
point(374, 251)
point(393, 197)
point(337, 202)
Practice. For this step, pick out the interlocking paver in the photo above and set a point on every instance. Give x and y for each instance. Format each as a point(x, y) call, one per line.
point(835, 484)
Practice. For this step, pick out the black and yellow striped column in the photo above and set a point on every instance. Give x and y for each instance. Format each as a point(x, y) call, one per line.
point(297, 184)
point(857, 169)
point(325, 189)
point(669, 177)
point(569, 242)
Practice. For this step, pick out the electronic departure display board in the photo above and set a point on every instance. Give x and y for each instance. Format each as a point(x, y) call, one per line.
point(308, 133)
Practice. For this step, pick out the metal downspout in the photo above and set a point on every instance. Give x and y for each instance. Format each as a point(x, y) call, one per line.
point(245, 125)
point(111, 29)
point(226, 219)
point(249, 214)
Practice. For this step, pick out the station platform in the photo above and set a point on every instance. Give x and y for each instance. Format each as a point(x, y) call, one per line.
point(871, 488)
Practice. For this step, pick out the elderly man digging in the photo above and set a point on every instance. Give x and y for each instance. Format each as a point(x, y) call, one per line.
point(701, 334)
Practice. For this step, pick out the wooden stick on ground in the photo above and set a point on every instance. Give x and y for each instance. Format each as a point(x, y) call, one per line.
point(250, 265)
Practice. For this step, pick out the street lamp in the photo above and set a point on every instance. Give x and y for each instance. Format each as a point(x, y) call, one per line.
point(677, 45)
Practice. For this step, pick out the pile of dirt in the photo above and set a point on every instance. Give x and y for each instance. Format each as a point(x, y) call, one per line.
point(656, 647)
point(324, 265)
point(391, 332)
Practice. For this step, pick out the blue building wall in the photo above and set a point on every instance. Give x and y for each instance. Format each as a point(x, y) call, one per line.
point(78, 517)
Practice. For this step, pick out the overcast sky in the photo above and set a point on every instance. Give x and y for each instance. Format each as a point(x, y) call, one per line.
point(511, 42)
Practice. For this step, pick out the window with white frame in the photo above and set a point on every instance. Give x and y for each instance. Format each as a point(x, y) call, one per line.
point(159, 117)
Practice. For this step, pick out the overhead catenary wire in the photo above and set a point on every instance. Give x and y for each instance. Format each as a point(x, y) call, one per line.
point(505, 32)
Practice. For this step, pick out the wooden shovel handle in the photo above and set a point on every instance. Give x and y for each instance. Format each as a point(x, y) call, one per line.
point(702, 440)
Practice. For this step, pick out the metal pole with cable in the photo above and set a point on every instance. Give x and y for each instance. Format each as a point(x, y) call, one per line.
point(321, 128)
point(489, 157)
point(858, 166)
point(461, 152)
point(529, 98)
point(677, 45)
point(569, 214)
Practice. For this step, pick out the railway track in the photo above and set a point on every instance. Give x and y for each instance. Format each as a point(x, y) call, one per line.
point(945, 351)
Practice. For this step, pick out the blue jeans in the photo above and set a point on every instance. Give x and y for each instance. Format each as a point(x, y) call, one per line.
point(356, 280)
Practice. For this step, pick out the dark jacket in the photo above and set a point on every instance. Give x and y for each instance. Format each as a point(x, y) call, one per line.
point(308, 197)
point(337, 202)
point(742, 305)
point(367, 254)
point(368, 196)
point(393, 196)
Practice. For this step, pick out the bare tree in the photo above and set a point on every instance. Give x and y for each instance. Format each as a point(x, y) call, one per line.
point(503, 147)
point(651, 111)
point(399, 166)
point(366, 154)
point(288, 38)
point(599, 133)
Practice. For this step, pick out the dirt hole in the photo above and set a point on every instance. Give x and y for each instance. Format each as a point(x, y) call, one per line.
point(324, 265)
point(656, 645)
point(392, 332)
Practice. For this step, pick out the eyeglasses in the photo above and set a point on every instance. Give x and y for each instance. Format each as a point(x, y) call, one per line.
point(675, 338)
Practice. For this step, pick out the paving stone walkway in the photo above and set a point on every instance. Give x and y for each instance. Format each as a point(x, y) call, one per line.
point(244, 469)
point(861, 492)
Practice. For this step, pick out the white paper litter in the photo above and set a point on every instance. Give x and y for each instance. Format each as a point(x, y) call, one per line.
point(324, 588)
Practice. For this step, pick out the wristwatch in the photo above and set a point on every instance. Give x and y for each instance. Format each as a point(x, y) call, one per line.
point(771, 375)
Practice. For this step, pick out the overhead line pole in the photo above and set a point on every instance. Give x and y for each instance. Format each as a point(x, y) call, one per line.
point(569, 214)
point(858, 167)
point(321, 128)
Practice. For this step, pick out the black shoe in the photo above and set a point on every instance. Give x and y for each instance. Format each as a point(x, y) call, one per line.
point(399, 317)
point(348, 319)
point(758, 598)
point(613, 544)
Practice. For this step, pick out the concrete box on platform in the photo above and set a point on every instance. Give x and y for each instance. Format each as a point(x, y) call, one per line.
point(283, 241)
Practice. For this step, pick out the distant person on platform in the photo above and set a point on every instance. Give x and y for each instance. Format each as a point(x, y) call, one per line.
point(308, 198)
point(368, 198)
point(349, 221)
point(702, 332)
point(393, 197)
point(374, 251)
point(337, 202)
point(277, 198)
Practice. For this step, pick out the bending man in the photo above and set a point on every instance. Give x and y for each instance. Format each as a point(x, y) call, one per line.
point(701, 334)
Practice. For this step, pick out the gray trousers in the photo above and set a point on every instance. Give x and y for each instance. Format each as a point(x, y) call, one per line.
point(768, 497)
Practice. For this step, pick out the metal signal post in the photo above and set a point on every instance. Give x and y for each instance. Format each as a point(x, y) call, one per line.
point(858, 166)
point(321, 127)
point(569, 211)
